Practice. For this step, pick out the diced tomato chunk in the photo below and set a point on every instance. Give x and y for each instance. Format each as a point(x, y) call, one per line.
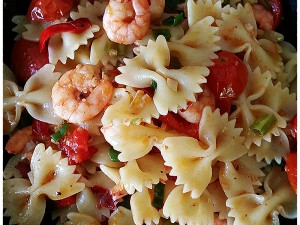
point(75, 145)
point(105, 198)
point(40, 131)
point(291, 169)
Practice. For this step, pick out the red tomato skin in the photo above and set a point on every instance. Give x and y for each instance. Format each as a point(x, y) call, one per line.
point(40, 131)
point(26, 59)
point(227, 79)
point(291, 169)
point(48, 10)
point(66, 201)
point(277, 12)
point(75, 145)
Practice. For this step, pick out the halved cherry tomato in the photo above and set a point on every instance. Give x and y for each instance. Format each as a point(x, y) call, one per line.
point(276, 7)
point(291, 169)
point(75, 145)
point(48, 10)
point(179, 124)
point(26, 59)
point(227, 79)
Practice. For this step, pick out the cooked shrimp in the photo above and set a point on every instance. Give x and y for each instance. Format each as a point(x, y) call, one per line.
point(80, 94)
point(156, 8)
point(263, 17)
point(18, 140)
point(126, 21)
point(193, 112)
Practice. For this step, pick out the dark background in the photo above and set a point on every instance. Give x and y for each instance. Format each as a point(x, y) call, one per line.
point(288, 27)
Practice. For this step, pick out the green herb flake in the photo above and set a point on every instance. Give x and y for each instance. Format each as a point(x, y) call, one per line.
point(263, 124)
point(154, 85)
point(159, 192)
point(113, 154)
point(173, 21)
point(165, 32)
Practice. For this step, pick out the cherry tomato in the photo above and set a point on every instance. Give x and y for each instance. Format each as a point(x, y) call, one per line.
point(276, 7)
point(227, 79)
point(66, 201)
point(48, 10)
point(291, 169)
point(75, 145)
point(26, 59)
point(40, 131)
point(176, 122)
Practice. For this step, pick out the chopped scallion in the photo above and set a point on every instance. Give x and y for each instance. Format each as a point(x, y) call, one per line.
point(263, 124)
point(61, 132)
point(165, 32)
point(173, 21)
point(159, 192)
point(113, 154)
point(154, 85)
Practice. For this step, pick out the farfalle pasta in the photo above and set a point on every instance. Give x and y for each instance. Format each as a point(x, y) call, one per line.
point(150, 112)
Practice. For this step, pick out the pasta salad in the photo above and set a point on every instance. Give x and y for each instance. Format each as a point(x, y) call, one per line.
point(150, 112)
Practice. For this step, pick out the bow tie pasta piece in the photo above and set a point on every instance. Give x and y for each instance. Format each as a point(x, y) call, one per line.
point(87, 204)
point(191, 163)
point(142, 209)
point(50, 177)
point(122, 216)
point(143, 172)
point(75, 218)
point(18, 203)
point(134, 141)
point(93, 12)
point(129, 109)
point(279, 198)
point(237, 37)
point(150, 65)
point(198, 10)
point(258, 99)
point(20, 22)
point(63, 45)
point(218, 198)
point(197, 46)
point(35, 97)
point(180, 207)
point(276, 149)
point(34, 29)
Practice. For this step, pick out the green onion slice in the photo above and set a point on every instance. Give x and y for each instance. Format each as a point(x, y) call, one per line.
point(113, 154)
point(165, 32)
point(159, 192)
point(173, 21)
point(263, 124)
point(61, 132)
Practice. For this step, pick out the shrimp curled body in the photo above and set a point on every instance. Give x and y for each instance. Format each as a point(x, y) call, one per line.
point(193, 113)
point(80, 94)
point(126, 21)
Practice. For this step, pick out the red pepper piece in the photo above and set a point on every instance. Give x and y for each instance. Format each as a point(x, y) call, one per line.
point(76, 26)
point(66, 201)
